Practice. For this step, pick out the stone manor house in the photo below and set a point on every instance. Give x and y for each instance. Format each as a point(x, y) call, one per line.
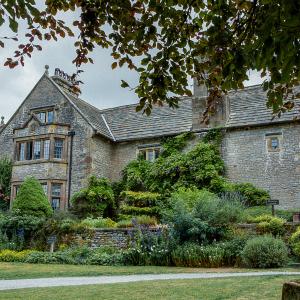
point(61, 140)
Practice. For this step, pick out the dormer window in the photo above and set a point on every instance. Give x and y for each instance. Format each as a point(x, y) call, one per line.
point(45, 116)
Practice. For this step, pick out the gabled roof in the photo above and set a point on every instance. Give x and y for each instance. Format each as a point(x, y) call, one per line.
point(248, 107)
point(123, 123)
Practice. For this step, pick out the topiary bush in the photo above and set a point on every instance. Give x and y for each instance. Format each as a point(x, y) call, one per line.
point(97, 200)
point(265, 252)
point(140, 203)
point(31, 200)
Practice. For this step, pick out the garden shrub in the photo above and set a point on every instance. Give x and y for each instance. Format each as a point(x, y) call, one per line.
point(14, 256)
point(31, 200)
point(204, 218)
point(99, 223)
point(125, 223)
point(294, 242)
point(254, 196)
point(143, 220)
point(275, 226)
point(265, 252)
point(17, 231)
point(97, 200)
point(194, 255)
point(269, 224)
point(149, 247)
point(105, 259)
point(233, 249)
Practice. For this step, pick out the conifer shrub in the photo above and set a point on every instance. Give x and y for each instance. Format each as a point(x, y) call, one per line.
point(5, 182)
point(265, 252)
point(31, 200)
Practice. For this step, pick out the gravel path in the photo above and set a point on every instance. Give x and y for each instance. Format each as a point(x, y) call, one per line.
point(69, 281)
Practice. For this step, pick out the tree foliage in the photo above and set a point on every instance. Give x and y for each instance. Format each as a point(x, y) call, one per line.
point(31, 199)
point(96, 200)
point(163, 40)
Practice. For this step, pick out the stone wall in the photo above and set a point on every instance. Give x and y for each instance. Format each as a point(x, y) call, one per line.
point(120, 238)
point(247, 159)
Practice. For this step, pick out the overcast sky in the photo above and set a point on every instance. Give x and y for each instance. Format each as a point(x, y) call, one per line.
point(101, 84)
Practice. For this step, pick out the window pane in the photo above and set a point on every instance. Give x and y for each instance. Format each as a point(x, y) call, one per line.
point(58, 148)
point(37, 150)
point(22, 151)
point(142, 153)
point(56, 190)
point(17, 187)
point(50, 116)
point(150, 154)
point(29, 151)
point(274, 143)
point(42, 116)
point(55, 203)
point(45, 188)
point(46, 149)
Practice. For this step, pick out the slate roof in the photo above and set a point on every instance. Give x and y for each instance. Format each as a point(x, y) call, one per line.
point(248, 107)
point(123, 123)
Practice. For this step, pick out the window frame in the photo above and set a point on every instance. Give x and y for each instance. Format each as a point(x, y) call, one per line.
point(62, 148)
point(27, 149)
point(46, 112)
point(145, 151)
point(270, 137)
point(54, 196)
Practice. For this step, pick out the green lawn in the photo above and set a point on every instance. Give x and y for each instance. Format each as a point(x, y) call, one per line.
point(22, 270)
point(206, 289)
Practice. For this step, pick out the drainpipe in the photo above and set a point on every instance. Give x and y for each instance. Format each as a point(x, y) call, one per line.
point(71, 135)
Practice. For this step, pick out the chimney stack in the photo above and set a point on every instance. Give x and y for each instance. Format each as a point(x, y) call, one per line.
point(2, 121)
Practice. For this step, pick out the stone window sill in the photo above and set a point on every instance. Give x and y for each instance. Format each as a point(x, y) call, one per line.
point(40, 161)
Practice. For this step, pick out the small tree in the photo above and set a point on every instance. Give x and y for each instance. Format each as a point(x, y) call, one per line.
point(5, 182)
point(97, 200)
point(31, 199)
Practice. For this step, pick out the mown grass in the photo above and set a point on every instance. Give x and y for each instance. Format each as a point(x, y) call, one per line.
point(246, 288)
point(23, 270)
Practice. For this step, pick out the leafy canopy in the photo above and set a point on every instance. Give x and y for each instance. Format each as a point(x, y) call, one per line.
point(31, 199)
point(162, 41)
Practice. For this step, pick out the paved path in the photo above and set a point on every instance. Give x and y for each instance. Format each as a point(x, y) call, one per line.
point(69, 281)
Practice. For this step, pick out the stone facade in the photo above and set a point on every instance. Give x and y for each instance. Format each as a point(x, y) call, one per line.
point(106, 140)
point(248, 159)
